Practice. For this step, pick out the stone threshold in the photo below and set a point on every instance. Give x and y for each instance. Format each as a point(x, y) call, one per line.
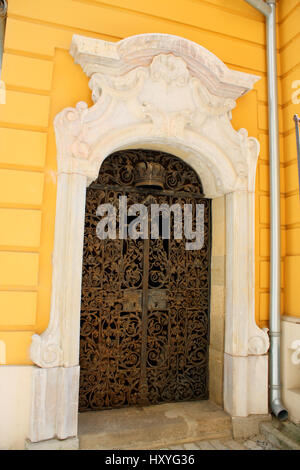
point(153, 427)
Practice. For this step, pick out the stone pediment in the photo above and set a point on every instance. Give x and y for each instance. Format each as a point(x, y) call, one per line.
point(152, 90)
point(95, 55)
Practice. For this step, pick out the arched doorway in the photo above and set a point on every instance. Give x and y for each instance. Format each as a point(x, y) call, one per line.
point(165, 93)
point(145, 301)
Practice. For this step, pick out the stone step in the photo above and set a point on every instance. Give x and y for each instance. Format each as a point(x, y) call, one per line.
point(257, 443)
point(290, 429)
point(280, 435)
point(153, 427)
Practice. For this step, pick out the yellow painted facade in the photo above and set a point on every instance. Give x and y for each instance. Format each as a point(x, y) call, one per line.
point(41, 79)
point(289, 44)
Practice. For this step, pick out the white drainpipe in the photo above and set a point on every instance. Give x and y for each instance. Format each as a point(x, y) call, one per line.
point(268, 9)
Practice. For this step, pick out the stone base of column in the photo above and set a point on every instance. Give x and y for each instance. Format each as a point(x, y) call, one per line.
point(54, 444)
point(54, 403)
point(246, 385)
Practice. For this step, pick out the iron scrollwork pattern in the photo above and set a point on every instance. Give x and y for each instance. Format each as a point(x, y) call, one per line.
point(145, 303)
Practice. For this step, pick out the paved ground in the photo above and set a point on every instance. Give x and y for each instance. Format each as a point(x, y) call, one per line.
point(256, 443)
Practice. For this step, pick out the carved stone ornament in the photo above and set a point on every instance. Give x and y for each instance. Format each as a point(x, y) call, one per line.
point(159, 92)
point(259, 344)
point(95, 55)
point(158, 88)
point(295, 358)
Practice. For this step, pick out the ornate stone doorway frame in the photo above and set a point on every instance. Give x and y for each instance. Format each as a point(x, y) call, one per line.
point(164, 93)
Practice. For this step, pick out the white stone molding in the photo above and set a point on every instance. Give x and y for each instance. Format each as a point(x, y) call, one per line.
point(118, 58)
point(59, 344)
point(54, 403)
point(295, 358)
point(241, 339)
point(160, 92)
point(290, 366)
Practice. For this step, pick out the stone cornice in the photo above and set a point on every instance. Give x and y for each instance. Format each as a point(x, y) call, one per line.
point(109, 58)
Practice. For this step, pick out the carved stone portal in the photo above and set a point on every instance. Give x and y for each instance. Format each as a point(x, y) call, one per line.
point(158, 92)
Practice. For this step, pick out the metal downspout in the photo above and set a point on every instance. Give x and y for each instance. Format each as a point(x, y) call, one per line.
point(269, 10)
point(3, 12)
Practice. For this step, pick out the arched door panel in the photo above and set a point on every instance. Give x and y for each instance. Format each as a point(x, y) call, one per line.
point(145, 302)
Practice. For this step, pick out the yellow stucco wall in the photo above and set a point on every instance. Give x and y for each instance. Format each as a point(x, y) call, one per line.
point(41, 79)
point(289, 43)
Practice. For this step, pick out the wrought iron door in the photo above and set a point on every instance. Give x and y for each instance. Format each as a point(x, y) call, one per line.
point(145, 303)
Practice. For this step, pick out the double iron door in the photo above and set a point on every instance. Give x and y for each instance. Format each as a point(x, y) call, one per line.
point(145, 302)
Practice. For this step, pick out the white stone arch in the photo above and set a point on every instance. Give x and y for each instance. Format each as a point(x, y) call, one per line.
point(163, 93)
point(202, 155)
